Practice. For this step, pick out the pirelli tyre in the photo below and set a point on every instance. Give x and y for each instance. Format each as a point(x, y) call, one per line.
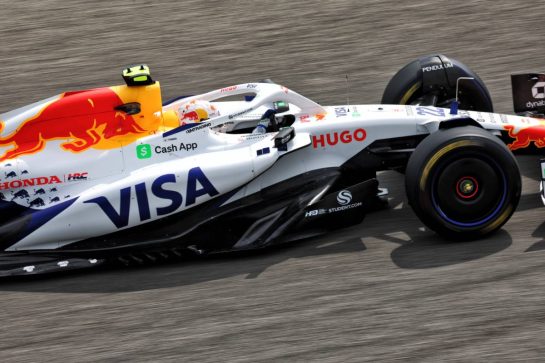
point(431, 81)
point(463, 182)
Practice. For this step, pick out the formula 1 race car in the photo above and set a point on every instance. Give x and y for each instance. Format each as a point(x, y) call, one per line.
point(115, 173)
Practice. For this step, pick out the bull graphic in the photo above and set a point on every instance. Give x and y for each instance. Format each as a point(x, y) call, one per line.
point(11, 174)
point(22, 194)
point(84, 118)
point(53, 200)
point(38, 202)
point(39, 191)
point(525, 136)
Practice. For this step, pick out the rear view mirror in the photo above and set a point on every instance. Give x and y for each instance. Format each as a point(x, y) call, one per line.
point(283, 137)
point(131, 108)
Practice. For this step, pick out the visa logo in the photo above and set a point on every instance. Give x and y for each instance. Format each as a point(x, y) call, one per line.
point(197, 186)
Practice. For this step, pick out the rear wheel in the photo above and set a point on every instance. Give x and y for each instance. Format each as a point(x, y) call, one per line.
point(431, 81)
point(463, 182)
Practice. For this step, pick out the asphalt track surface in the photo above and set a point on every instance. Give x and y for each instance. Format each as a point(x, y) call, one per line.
point(384, 290)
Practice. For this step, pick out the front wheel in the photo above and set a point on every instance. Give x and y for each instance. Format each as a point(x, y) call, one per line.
point(463, 182)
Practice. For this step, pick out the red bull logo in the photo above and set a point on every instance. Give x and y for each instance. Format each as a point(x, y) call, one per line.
point(196, 111)
point(525, 136)
point(195, 115)
point(83, 119)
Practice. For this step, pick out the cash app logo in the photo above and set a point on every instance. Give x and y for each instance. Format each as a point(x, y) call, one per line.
point(143, 151)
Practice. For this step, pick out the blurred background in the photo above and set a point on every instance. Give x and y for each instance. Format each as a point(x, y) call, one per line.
point(383, 291)
point(193, 46)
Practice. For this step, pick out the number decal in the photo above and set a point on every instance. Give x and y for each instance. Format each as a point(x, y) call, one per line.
point(432, 111)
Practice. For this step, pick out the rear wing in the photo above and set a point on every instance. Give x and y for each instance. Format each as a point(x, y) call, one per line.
point(528, 93)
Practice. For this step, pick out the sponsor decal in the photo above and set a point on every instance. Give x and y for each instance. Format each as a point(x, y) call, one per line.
point(251, 85)
point(341, 111)
point(437, 67)
point(197, 185)
point(432, 111)
point(525, 136)
point(344, 207)
point(535, 104)
point(315, 212)
point(284, 89)
point(504, 119)
point(321, 211)
point(228, 89)
point(332, 139)
point(143, 151)
point(95, 125)
point(175, 147)
point(234, 115)
point(76, 176)
point(42, 180)
point(538, 90)
point(528, 91)
point(344, 197)
point(203, 125)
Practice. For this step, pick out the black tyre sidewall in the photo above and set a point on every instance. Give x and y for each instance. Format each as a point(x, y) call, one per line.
point(406, 85)
point(406, 82)
point(428, 159)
